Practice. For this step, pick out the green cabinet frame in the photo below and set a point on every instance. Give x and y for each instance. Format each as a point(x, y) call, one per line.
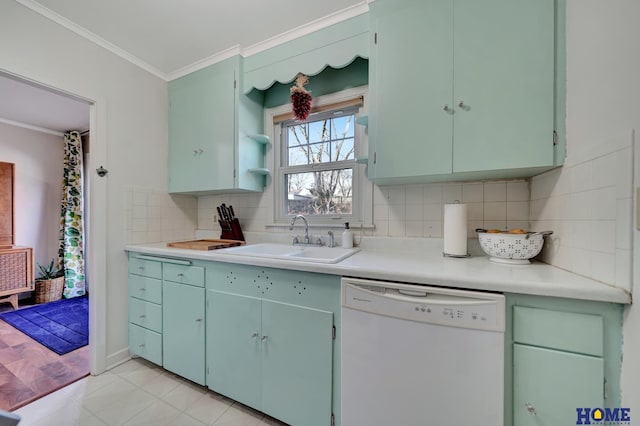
point(560, 355)
point(211, 124)
point(273, 341)
point(476, 95)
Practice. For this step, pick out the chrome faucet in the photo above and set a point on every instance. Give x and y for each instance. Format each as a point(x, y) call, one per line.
point(332, 241)
point(306, 227)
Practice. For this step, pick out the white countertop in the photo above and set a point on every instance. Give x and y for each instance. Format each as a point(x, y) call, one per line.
point(421, 262)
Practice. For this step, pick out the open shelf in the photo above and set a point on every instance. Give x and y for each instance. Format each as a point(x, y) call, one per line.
point(260, 171)
point(262, 139)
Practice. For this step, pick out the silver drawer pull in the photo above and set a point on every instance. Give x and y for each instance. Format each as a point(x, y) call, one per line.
point(254, 335)
point(530, 408)
point(199, 320)
point(141, 267)
point(180, 275)
point(142, 289)
point(143, 316)
point(141, 345)
point(264, 338)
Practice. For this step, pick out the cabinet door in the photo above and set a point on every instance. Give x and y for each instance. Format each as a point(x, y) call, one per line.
point(233, 346)
point(410, 82)
point(183, 330)
point(504, 76)
point(554, 384)
point(297, 363)
point(202, 129)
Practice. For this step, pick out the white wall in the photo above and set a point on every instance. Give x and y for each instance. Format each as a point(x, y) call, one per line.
point(129, 135)
point(603, 109)
point(38, 159)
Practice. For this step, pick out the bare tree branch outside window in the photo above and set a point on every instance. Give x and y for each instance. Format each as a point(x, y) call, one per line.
point(320, 158)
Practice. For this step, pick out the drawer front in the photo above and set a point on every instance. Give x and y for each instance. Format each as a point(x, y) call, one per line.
point(146, 268)
point(145, 343)
point(145, 288)
point(145, 314)
point(580, 333)
point(192, 275)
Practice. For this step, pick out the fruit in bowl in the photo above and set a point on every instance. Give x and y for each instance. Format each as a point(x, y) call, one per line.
point(515, 246)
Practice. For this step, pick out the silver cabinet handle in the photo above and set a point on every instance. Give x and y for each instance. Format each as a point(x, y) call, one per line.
point(254, 335)
point(141, 345)
point(446, 108)
point(142, 289)
point(461, 104)
point(199, 320)
point(143, 316)
point(530, 408)
point(141, 268)
point(264, 338)
point(180, 275)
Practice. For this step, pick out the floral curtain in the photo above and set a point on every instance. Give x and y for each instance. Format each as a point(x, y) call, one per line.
point(71, 250)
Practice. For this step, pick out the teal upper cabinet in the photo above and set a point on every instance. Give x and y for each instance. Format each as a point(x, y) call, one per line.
point(410, 80)
point(210, 127)
point(461, 89)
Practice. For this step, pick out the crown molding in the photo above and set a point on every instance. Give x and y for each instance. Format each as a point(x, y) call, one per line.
point(198, 65)
point(318, 24)
point(83, 32)
point(30, 127)
point(308, 28)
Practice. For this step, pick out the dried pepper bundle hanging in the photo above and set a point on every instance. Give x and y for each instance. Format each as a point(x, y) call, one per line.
point(301, 98)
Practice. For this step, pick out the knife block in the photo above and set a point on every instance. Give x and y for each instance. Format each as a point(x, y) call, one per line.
point(231, 230)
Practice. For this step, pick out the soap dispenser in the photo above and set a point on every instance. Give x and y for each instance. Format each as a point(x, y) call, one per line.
point(347, 237)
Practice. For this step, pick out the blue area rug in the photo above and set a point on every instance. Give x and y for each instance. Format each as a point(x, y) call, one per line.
point(61, 326)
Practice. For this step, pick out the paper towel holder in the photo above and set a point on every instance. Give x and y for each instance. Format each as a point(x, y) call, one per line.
point(456, 255)
point(445, 254)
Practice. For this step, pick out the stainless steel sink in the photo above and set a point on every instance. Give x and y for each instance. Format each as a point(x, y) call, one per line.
point(290, 252)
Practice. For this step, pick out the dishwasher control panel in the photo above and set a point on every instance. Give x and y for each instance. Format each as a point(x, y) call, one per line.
point(434, 305)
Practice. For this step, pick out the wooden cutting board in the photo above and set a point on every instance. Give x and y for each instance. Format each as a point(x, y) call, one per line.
point(205, 244)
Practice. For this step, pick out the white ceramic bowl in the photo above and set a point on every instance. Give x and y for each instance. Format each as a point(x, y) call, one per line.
point(511, 248)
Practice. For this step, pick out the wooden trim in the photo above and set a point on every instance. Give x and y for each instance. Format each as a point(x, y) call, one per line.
point(7, 205)
point(359, 101)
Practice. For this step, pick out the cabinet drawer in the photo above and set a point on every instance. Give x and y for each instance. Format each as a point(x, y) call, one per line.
point(145, 288)
point(145, 314)
point(145, 343)
point(580, 333)
point(146, 268)
point(192, 275)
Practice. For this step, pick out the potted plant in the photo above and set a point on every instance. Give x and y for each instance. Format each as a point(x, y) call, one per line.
point(50, 284)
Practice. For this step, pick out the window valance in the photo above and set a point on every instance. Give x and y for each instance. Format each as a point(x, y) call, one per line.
point(336, 46)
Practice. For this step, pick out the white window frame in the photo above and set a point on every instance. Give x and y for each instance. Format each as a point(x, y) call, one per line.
point(362, 204)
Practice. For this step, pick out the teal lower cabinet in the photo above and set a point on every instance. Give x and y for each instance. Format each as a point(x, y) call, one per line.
point(563, 360)
point(183, 340)
point(550, 385)
point(271, 341)
point(167, 313)
point(145, 309)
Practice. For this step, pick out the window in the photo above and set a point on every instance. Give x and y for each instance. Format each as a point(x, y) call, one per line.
point(316, 170)
point(318, 163)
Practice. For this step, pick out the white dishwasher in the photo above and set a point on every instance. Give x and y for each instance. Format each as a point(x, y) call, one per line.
point(416, 355)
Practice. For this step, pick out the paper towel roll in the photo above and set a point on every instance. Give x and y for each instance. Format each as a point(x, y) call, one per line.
point(455, 230)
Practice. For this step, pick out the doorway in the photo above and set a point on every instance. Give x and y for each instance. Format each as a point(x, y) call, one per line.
point(95, 196)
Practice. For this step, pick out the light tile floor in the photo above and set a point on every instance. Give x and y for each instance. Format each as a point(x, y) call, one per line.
point(138, 393)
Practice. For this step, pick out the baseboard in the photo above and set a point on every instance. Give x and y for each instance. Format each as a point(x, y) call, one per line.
point(117, 358)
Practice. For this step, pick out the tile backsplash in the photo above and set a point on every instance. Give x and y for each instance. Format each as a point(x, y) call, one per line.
point(588, 203)
point(401, 210)
point(153, 216)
